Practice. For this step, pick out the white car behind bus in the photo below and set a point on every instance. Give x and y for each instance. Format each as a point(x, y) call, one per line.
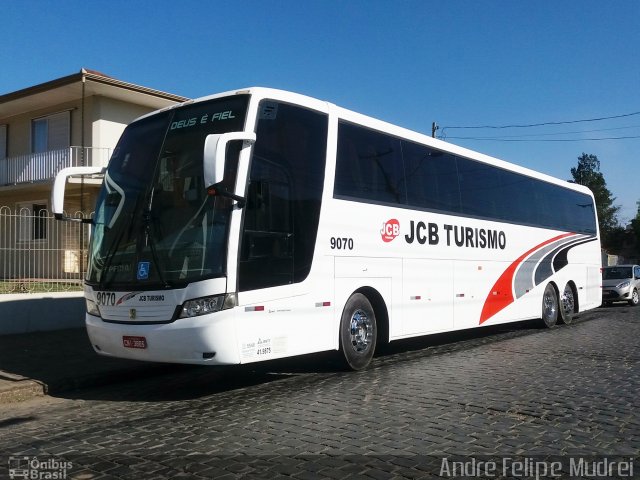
point(621, 284)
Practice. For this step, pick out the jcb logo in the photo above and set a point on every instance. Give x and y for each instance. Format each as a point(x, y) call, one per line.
point(390, 230)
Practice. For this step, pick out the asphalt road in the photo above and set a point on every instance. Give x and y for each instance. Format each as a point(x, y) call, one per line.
point(518, 391)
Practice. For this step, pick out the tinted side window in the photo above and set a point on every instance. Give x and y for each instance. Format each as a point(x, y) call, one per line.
point(369, 165)
point(546, 202)
point(480, 189)
point(379, 168)
point(432, 178)
point(563, 209)
point(284, 196)
point(517, 193)
point(581, 213)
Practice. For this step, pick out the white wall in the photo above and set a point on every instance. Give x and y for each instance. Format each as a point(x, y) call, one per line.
point(110, 117)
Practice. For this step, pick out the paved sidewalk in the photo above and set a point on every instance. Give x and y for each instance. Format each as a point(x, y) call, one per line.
point(49, 363)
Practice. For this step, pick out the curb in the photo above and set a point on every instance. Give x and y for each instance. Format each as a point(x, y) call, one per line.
point(26, 388)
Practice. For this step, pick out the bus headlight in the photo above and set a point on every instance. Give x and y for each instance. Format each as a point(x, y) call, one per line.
point(205, 305)
point(92, 308)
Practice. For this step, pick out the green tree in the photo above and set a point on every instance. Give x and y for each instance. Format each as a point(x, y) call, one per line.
point(588, 173)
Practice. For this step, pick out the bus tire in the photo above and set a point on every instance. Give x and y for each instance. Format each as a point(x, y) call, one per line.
point(568, 305)
point(358, 332)
point(550, 306)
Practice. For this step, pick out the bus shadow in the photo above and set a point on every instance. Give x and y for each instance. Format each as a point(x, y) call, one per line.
point(166, 383)
point(185, 382)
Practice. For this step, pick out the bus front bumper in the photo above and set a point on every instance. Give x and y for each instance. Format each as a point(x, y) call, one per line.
point(207, 339)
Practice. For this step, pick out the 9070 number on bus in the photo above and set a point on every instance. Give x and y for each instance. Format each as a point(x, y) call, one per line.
point(341, 243)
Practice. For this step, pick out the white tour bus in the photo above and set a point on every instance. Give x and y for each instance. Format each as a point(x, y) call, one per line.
point(260, 224)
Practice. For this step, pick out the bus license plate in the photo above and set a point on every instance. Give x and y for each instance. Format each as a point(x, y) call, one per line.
point(134, 342)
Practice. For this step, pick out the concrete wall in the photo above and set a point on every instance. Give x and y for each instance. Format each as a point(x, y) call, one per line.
point(25, 313)
point(110, 117)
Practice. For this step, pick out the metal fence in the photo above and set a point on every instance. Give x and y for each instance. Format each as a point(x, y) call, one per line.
point(40, 254)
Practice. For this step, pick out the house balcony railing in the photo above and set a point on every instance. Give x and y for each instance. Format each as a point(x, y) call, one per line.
point(39, 167)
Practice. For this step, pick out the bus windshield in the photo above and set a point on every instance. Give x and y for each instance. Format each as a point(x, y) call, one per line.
point(155, 226)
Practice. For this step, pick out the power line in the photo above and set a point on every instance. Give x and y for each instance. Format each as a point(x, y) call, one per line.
point(555, 134)
point(567, 122)
point(503, 139)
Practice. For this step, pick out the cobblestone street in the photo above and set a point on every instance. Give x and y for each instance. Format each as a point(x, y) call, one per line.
point(516, 390)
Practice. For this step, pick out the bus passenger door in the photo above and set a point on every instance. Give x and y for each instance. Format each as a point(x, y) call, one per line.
point(266, 251)
point(285, 306)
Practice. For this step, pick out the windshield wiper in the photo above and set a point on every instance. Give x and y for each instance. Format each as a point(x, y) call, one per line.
point(113, 247)
point(150, 241)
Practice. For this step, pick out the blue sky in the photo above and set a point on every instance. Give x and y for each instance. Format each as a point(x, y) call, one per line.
point(456, 62)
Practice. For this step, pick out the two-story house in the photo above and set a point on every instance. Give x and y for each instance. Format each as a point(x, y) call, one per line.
point(70, 121)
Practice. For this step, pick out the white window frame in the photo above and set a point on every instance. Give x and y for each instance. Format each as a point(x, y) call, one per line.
point(58, 131)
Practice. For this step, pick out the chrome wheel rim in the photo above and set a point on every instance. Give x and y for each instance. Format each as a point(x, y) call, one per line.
point(550, 307)
point(568, 302)
point(360, 331)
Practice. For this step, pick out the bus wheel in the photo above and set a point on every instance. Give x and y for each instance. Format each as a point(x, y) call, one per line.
point(358, 332)
point(549, 306)
point(567, 305)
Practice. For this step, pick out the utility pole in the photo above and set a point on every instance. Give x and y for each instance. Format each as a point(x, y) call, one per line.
point(434, 128)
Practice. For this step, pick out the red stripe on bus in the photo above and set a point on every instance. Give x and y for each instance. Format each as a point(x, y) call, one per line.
point(501, 294)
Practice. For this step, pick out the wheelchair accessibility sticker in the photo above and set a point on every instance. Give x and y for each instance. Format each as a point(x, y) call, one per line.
point(143, 270)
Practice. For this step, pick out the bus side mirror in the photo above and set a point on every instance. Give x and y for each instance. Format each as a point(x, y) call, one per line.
point(215, 152)
point(57, 195)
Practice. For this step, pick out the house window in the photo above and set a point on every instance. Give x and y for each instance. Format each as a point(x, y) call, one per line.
point(39, 225)
point(32, 221)
point(39, 135)
point(50, 133)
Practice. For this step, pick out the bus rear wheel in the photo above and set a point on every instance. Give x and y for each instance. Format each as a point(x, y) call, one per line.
point(550, 306)
point(567, 305)
point(358, 332)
